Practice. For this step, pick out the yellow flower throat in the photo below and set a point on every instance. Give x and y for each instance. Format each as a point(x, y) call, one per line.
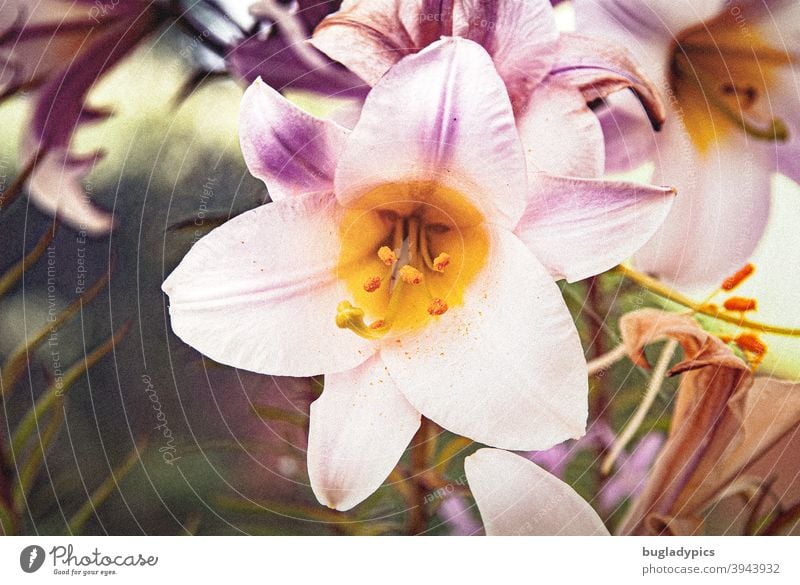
point(408, 252)
point(720, 73)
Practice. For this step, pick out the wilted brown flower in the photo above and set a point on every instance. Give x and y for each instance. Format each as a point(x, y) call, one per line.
point(725, 421)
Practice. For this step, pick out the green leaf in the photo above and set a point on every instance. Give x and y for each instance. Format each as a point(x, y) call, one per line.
point(14, 190)
point(15, 366)
point(48, 399)
point(6, 521)
point(13, 274)
point(209, 222)
point(267, 412)
point(31, 465)
point(101, 494)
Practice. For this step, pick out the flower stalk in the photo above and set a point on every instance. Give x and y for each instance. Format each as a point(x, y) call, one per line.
point(735, 318)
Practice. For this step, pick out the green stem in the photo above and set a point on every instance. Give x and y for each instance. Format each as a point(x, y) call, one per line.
point(669, 294)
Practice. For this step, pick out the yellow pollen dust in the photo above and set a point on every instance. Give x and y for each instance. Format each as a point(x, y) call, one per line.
point(393, 261)
point(721, 82)
point(410, 275)
point(387, 255)
point(372, 283)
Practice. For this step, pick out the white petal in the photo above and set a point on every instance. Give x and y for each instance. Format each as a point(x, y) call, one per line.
point(359, 428)
point(516, 497)
point(506, 368)
point(441, 115)
point(719, 214)
point(561, 135)
point(582, 227)
point(260, 292)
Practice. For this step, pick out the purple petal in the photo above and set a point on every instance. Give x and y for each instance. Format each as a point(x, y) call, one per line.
point(290, 150)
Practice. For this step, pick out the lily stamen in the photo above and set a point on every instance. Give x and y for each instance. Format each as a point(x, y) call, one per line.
point(410, 275)
point(740, 304)
point(372, 283)
point(387, 255)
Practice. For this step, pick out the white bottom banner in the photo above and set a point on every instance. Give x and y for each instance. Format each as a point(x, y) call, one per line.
point(122, 560)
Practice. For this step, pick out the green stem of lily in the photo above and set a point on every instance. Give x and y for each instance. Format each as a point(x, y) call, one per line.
point(422, 448)
point(662, 290)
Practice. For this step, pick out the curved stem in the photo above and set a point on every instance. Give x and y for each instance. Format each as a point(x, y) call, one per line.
point(656, 380)
point(737, 319)
point(606, 360)
point(422, 448)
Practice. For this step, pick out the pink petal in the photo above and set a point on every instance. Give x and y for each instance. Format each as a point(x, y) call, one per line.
point(600, 68)
point(561, 135)
point(260, 292)
point(441, 115)
point(290, 150)
point(656, 20)
point(629, 139)
point(359, 428)
point(506, 368)
point(516, 497)
point(521, 37)
point(720, 213)
point(783, 102)
point(55, 188)
point(370, 37)
point(581, 227)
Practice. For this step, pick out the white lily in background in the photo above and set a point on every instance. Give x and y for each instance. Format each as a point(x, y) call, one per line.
point(726, 72)
point(412, 262)
point(516, 497)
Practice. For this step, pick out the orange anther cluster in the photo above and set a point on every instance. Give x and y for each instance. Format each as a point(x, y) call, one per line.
point(372, 284)
point(751, 343)
point(437, 307)
point(735, 280)
point(441, 262)
point(377, 324)
point(410, 275)
point(387, 255)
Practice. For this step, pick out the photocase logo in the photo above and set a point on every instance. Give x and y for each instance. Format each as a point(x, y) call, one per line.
point(31, 558)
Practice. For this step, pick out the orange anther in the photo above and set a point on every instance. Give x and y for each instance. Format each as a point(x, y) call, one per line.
point(735, 280)
point(437, 307)
point(740, 304)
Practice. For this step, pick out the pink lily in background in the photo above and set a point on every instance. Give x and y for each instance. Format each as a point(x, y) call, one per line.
point(58, 50)
point(412, 261)
point(726, 70)
point(516, 497)
point(542, 68)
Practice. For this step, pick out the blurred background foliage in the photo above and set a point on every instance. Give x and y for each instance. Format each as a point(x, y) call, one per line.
point(154, 438)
